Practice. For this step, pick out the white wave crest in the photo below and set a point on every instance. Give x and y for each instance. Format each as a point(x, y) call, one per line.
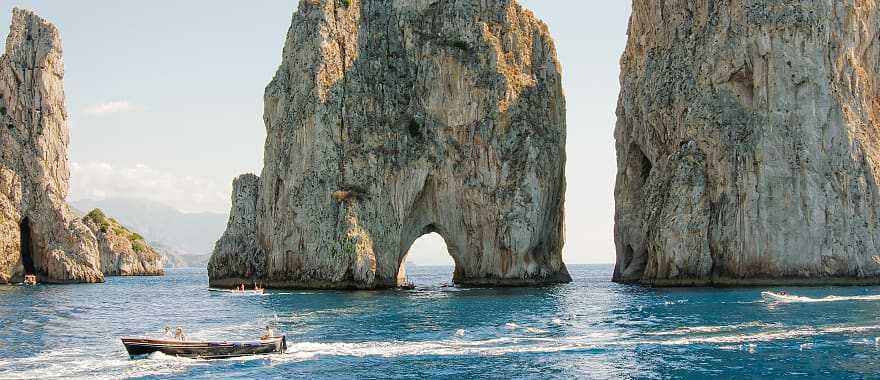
point(787, 298)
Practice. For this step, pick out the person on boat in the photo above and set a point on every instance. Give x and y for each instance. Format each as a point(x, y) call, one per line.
point(268, 333)
point(168, 333)
point(178, 334)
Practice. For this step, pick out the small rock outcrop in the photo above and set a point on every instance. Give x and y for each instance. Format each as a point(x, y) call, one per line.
point(39, 234)
point(122, 252)
point(748, 143)
point(237, 258)
point(391, 119)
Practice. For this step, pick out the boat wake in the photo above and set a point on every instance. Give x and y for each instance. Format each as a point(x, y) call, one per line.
point(789, 298)
point(75, 363)
point(724, 337)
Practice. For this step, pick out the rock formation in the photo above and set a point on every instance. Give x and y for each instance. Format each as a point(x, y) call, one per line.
point(747, 143)
point(38, 232)
point(122, 252)
point(391, 119)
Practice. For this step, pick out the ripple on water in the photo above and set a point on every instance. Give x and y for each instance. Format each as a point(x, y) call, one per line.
point(590, 328)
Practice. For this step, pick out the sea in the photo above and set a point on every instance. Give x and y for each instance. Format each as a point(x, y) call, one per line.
point(591, 328)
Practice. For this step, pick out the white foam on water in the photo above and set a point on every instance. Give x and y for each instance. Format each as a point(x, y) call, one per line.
point(806, 346)
point(556, 321)
point(511, 326)
point(489, 347)
point(712, 329)
point(803, 299)
point(459, 332)
point(767, 336)
point(77, 364)
point(736, 347)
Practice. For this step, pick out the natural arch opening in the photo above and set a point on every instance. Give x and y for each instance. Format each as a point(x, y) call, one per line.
point(428, 262)
point(27, 249)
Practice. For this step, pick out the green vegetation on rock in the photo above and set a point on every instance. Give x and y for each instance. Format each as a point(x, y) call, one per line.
point(106, 224)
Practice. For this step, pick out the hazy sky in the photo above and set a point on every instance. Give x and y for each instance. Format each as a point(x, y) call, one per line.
point(166, 98)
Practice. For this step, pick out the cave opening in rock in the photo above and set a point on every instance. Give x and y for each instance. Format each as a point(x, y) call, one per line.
point(428, 262)
point(634, 264)
point(645, 167)
point(27, 254)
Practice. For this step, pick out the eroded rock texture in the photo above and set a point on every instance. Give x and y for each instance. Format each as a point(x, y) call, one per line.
point(388, 120)
point(237, 259)
point(747, 143)
point(122, 252)
point(38, 232)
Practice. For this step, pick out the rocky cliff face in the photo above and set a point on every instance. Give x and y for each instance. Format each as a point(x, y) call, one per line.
point(747, 143)
point(391, 119)
point(237, 258)
point(122, 252)
point(38, 232)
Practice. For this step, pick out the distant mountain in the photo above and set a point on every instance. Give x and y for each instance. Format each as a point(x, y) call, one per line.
point(173, 231)
point(174, 258)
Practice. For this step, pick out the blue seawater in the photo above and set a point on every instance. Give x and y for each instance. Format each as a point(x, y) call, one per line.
point(591, 328)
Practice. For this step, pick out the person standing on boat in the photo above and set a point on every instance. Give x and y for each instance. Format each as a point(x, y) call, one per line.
point(178, 334)
point(268, 333)
point(168, 333)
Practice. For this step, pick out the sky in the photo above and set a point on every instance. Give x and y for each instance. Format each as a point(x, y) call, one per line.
point(165, 100)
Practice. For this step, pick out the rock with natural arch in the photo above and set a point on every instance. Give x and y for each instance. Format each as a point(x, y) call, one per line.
point(38, 232)
point(391, 119)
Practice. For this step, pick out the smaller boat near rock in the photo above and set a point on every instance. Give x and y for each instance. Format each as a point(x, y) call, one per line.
point(236, 291)
point(241, 289)
point(779, 297)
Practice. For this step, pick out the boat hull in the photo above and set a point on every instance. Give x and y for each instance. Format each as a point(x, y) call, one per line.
point(777, 297)
point(204, 350)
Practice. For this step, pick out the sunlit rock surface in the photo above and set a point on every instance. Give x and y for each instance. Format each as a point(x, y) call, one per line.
point(388, 120)
point(122, 252)
point(747, 143)
point(38, 232)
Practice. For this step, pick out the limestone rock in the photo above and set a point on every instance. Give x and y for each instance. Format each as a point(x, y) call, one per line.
point(123, 252)
point(747, 143)
point(237, 258)
point(38, 232)
point(391, 119)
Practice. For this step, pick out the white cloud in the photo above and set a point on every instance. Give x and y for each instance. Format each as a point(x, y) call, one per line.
point(109, 107)
point(100, 180)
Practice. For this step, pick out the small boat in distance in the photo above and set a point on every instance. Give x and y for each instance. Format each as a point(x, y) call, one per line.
point(240, 289)
point(236, 291)
point(30, 280)
point(204, 350)
point(779, 297)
